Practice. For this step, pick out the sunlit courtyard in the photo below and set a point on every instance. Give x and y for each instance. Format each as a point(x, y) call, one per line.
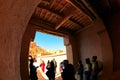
point(58, 58)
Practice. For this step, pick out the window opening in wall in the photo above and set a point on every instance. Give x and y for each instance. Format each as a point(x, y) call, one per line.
point(47, 47)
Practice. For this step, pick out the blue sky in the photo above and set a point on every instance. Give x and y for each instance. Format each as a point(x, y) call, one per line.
point(47, 41)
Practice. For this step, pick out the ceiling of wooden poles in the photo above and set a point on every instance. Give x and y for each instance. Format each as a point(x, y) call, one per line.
point(63, 17)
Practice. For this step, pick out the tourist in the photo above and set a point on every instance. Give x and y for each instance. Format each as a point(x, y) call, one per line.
point(80, 70)
point(33, 70)
point(50, 71)
point(88, 69)
point(42, 65)
point(68, 71)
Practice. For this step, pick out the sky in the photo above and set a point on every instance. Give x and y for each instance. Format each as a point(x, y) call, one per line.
point(50, 42)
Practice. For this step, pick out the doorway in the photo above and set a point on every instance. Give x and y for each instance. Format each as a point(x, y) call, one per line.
point(44, 48)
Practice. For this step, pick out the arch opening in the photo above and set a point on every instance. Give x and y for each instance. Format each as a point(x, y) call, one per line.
point(44, 48)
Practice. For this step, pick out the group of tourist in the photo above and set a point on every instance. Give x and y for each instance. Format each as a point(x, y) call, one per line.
point(90, 69)
point(51, 68)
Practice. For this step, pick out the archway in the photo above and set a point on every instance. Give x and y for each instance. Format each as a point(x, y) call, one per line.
point(44, 48)
point(27, 38)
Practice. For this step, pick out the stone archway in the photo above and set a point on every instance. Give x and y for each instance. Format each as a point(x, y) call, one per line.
point(14, 18)
point(27, 38)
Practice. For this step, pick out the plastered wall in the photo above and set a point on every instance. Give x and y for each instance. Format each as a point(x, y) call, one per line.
point(14, 16)
point(113, 27)
point(95, 41)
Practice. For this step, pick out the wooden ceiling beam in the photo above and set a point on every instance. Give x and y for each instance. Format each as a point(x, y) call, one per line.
point(80, 25)
point(89, 7)
point(63, 7)
point(48, 1)
point(81, 6)
point(47, 27)
point(61, 22)
point(41, 21)
point(51, 10)
point(40, 29)
point(79, 30)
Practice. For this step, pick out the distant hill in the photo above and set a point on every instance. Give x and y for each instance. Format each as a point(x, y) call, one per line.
point(34, 49)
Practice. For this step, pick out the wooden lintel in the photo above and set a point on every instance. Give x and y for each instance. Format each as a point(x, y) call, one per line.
point(48, 28)
point(40, 29)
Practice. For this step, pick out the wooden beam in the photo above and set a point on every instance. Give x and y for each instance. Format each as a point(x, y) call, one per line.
point(42, 22)
point(89, 7)
point(51, 10)
point(48, 1)
point(79, 30)
point(61, 22)
point(63, 7)
point(42, 19)
point(41, 29)
point(46, 27)
point(80, 25)
point(81, 6)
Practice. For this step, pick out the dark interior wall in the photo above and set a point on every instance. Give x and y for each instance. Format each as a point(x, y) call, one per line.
point(75, 51)
point(113, 27)
point(95, 41)
point(89, 43)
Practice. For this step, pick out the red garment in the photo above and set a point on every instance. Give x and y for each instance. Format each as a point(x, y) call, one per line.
point(42, 65)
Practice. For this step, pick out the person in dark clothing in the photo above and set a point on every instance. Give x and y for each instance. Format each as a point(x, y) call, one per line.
point(68, 71)
point(88, 69)
point(51, 71)
point(33, 69)
point(80, 70)
point(95, 69)
point(55, 63)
